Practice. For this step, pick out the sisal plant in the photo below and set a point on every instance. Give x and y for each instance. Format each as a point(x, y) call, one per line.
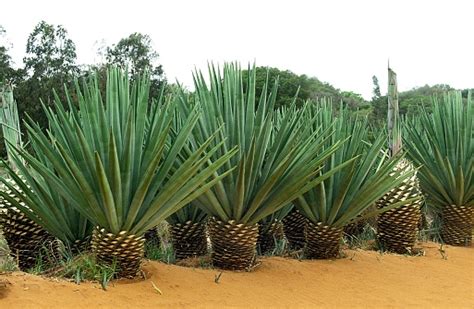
point(274, 163)
point(270, 230)
point(113, 160)
point(344, 198)
point(29, 243)
point(397, 229)
point(441, 144)
point(187, 229)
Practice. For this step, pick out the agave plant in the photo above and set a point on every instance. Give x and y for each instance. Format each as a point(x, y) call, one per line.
point(49, 210)
point(272, 167)
point(25, 238)
point(114, 161)
point(187, 226)
point(293, 227)
point(397, 229)
point(42, 204)
point(270, 229)
point(188, 232)
point(441, 144)
point(343, 198)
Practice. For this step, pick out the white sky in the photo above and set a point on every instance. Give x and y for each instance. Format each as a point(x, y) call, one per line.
point(341, 42)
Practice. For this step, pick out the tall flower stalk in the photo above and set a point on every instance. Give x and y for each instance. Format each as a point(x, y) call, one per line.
point(397, 229)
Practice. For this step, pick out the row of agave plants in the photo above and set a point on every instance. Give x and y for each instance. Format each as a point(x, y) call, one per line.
point(114, 165)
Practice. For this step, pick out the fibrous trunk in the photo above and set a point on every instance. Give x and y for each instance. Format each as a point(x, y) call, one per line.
point(322, 241)
point(81, 245)
point(29, 243)
point(293, 226)
point(189, 239)
point(268, 234)
point(457, 225)
point(423, 224)
point(123, 250)
point(152, 237)
point(355, 228)
point(233, 244)
point(397, 229)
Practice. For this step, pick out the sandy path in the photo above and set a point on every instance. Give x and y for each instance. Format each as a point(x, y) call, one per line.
point(363, 279)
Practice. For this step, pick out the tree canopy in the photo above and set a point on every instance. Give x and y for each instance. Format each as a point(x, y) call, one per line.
point(50, 52)
point(136, 53)
point(7, 72)
point(51, 63)
point(307, 88)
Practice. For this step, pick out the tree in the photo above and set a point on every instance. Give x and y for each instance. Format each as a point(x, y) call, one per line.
point(8, 76)
point(50, 52)
point(50, 64)
point(136, 53)
point(376, 90)
point(307, 88)
point(354, 103)
point(287, 87)
point(410, 101)
point(4, 59)
point(7, 72)
point(4, 73)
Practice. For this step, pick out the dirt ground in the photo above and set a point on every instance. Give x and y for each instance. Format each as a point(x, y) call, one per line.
point(365, 279)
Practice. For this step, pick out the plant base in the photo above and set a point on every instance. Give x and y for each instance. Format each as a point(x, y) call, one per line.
point(81, 245)
point(152, 237)
point(322, 241)
point(457, 225)
point(124, 250)
point(397, 229)
point(189, 239)
point(27, 240)
point(268, 234)
point(354, 229)
point(293, 226)
point(233, 244)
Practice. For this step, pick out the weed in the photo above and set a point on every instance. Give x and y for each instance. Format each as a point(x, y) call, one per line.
point(443, 253)
point(365, 240)
point(217, 278)
point(280, 248)
point(80, 268)
point(162, 252)
point(7, 263)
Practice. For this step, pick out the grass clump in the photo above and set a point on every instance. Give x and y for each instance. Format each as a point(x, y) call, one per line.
point(7, 264)
point(364, 240)
point(162, 252)
point(84, 267)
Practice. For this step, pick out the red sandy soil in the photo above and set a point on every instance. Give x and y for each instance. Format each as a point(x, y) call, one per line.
point(365, 279)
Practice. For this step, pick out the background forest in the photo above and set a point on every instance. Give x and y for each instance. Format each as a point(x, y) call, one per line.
point(51, 63)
